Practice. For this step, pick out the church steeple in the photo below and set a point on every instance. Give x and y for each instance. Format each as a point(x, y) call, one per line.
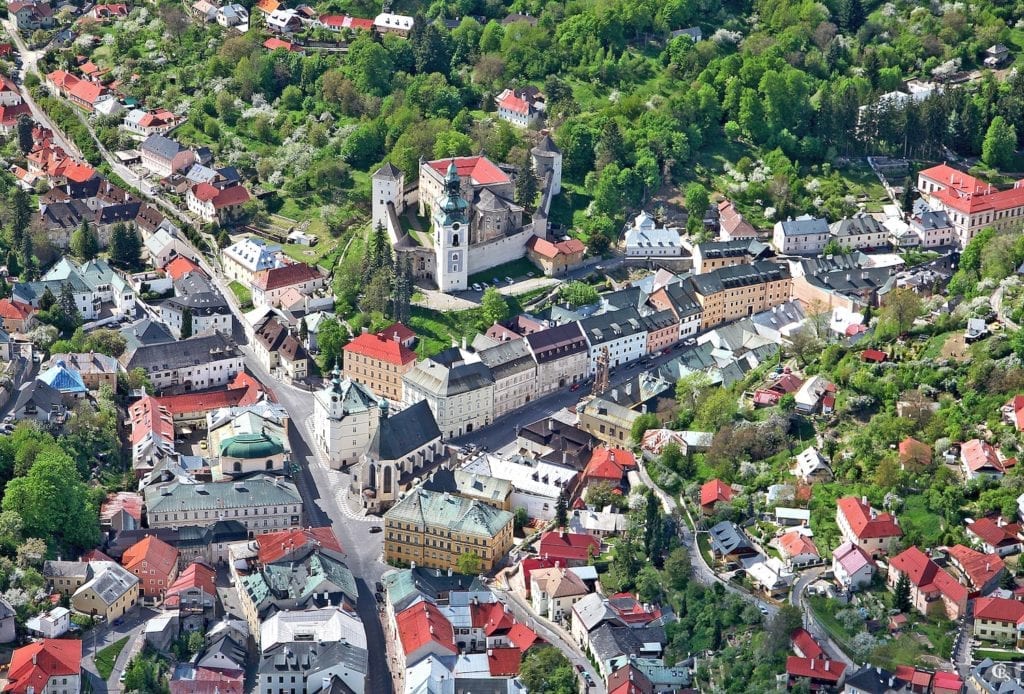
point(453, 205)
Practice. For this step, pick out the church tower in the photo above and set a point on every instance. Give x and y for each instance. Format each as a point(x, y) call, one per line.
point(451, 235)
point(344, 419)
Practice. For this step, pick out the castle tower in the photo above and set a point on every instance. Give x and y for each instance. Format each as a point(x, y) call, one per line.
point(388, 185)
point(451, 235)
point(547, 157)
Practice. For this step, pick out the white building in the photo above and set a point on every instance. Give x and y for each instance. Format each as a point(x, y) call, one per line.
point(520, 107)
point(52, 624)
point(203, 361)
point(553, 592)
point(861, 230)
point(459, 391)
point(805, 235)
point(852, 566)
point(620, 332)
point(645, 240)
point(243, 259)
point(345, 417)
point(536, 485)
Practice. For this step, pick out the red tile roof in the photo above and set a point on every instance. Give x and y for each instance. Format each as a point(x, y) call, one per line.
point(150, 556)
point(149, 415)
point(873, 355)
point(342, 21)
point(277, 545)
point(211, 681)
point(129, 502)
point(608, 463)
point(15, 310)
point(181, 266)
point(805, 645)
point(713, 491)
point(510, 102)
point(629, 680)
point(286, 276)
point(78, 172)
point(233, 396)
point(568, 546)
point(795, 543)
point(479, 169)
point(9, 115)
point(980, 455)
point(632, 611)
point(955, 179)
point(947, 683)
point(227, 197)
point(927, 575)
point(814, 668)
point(991, 532)
point(33, 665)
point(863, 521)
point(204, 192)
point(95, 555)
point(522, 636)
point(503, 662)
point(86, 91)
point(195, 575)
point(422, 624)
point(492, 618)
point(1016, 405)
point(978, 568)
point(531, 564)
point(549, 249)
point(999, 610)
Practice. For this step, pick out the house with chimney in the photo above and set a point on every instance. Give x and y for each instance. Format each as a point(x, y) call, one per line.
point(568, 549)
point(996, 536)
point(979, 459)
point(852, 567)
point(821, 674)
point(163, 156)
point(876, 533)
point(45, 666)
point(380, 360)
point(554, 591)
point(1000, 620)
point(712, 493)
point(268, 286)
point(520, 107)
point(30, 15)
point(154, 563)
point(216, 205)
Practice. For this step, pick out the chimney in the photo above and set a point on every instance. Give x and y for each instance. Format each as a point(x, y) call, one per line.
point(615, 394)
point(397, 339)
point(629, 388)
point(551, 424)
point(463, 342)
point(812, 663)
point(827, 666)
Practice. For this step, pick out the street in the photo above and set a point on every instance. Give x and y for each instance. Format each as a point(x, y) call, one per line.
point(810, 623)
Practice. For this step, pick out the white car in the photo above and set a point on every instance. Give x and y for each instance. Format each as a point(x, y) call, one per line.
point(477, 288)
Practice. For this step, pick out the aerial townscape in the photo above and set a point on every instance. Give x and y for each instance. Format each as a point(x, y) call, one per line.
point(494, 347)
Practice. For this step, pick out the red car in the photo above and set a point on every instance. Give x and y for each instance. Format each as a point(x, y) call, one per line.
point(574, 387)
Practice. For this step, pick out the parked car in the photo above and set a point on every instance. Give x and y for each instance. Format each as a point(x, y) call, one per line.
point(477, 288)
point(509, 280)
point(376, 529)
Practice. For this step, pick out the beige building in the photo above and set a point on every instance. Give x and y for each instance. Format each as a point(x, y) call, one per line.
point(715, 255)
point(458, 389)
point(1000, 620)
point(515, 375)
point(95, 369)
point(380, 360)
point(740, 291)
point(262, 504)
point(553, 592)
point(562, 356)
point(434, 529)
point(97, 588)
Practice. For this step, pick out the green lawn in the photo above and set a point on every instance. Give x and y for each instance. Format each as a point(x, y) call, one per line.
point(106, 657)
point(916, 515)
point(517, 269)
point(241, 293)
point(1012, 656)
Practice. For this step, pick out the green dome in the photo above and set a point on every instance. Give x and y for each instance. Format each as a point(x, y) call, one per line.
point(251, 446)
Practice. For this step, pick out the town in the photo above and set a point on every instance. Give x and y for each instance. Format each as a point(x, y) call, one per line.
point(377, 349)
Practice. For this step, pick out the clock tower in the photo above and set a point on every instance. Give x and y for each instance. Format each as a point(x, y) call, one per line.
point(451, 235)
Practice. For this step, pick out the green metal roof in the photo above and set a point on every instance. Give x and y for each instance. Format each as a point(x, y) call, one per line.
point(251, 446)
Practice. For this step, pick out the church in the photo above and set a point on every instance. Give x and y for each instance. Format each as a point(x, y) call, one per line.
point(475, 222)
point(355, 429)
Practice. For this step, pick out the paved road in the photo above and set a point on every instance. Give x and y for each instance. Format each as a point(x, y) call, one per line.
point(997, 306)
point(810, 623)
point(553, 634)
point(103, 635)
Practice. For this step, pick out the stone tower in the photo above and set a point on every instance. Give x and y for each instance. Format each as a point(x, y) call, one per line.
point(547, 157)
point(451, 235)
point(387, 185)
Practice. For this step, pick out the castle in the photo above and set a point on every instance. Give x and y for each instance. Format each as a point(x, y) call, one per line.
point(475, 223)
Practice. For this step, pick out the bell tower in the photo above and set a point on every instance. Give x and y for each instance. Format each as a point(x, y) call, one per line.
point(451, 235)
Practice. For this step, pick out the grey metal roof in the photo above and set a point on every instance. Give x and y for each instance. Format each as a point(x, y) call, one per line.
point(309, 656)
point(447, 375)
point(388, 171)
point(404, 432)
point(255, 491)
point(592, 611)
point(738, 276)
point(198, 349)
point(804, 226)
point(732, 249)
point(455, 513)
point(727, 538)
point(145, 332)
point(108, 580)
point(161, 146)
point(39, 394)
point(857, 224)
point(507, 358)
point(613, 325)
point(557, 342)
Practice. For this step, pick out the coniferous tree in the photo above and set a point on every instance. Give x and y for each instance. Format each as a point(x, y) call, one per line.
point(47, 300)
point(901, 601)
point(561, 511)
point(125, 247)
point(84, 244)
point(303, 331)
point(908, 197)
point(25, 141)
point(186, 323)
point(526, 184)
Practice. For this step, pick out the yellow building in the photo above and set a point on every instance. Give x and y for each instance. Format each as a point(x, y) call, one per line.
point(433, 529)
point(97, 588)
point(740, 291)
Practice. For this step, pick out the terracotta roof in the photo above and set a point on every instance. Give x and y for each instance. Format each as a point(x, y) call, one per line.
point(805, 644)
point(129, 502)
point(630, 680)
point(559, 582)
point(568, 546)
point(713, 491)
point(991, 532)
point(274, 546)
point(522, 636)
point(865, 523)
point(286, 276)
point(86, 91)
point(33, 665)
point(240, 392)
point(927, 575)
point(229, 197)
point(873, 355)
point(503, 662)
point(478, 169)
point(550, 249)
point(607, 463)
point(377, 346)
point(147, 415)
point(273, 43)
point(947, 682)
point(181, 266)
point(510, 102)
point(631, 611)
point(15, 310)
point(954, 178)
point(204, 192)
point(493, 618)
point(999, 610)
point(978, 568)
point(268, 6)
point(979, 455)
point(421, 624)
point(195, 575)
point(149, 555)
point(814, 668)
point(342, 21)
point(795, 543)
point(914, 451)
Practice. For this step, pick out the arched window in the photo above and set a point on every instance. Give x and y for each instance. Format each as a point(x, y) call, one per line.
point(387, 479)
point(237, 467)
point(270, 464)
point(455, 239)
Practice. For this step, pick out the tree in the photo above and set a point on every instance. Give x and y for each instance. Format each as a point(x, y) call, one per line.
point(1000, 144)
point(402, 303)
point(600, 495)
point(578, 293)
point(21, 212)
point(902, 306)
point(31, 552)
point(84, 244)
point(53, 502)
point(494, 305)
point(804, 344)
point(561, 511)
point(520, 518)
point(125, 247)
point(47, 300)
point(303, 331)
point(697, 202)
point(330, 339)
point(907, 200)
point(901, 601)
point(186, 323)
point(545, 670)
point(377, 295)
point(25, 141)
point(641, 425)
point(526, 184)
point(469, 564)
